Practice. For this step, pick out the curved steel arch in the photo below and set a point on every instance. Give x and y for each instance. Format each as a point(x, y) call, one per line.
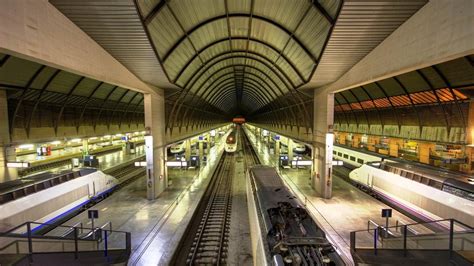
point(274, 105)
point(187, 89)
point(267, 99)
point(270, 100)
point(252, 67)
point(218, 96)
point(244, 15)
point(265, 74)
point(220, 100)
point(229, 55)
point(258, 70)
point(270, 93)
point(206, 70)
point(250, 39)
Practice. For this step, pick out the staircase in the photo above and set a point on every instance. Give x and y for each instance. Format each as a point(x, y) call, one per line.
point(20, 246)
point(454, 245)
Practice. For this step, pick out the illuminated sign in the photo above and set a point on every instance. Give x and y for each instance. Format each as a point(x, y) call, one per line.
point(140, 163)
point(301, 163)
point(176, 163)
point(18, 164)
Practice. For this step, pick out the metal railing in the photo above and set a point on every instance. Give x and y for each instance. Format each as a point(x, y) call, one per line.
point(456, 238)
point(22, 240)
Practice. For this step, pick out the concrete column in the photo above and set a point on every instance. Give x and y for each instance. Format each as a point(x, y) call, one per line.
point(201, 150)
point(85, 147)
point(323, 142)
point(157, 179)
point(7, 151)
point(187, 149)
point(277, 148)
point(290, 149)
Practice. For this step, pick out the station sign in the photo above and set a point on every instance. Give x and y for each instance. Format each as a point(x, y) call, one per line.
point(140, 163)
point(276, 137)
point(93, 214)
point(386, 213)
point(301, 162)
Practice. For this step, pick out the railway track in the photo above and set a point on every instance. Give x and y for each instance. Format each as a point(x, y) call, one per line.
point(207, 237)
point(251, 157)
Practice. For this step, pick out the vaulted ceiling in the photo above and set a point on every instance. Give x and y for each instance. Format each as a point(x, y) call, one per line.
point(238, 55)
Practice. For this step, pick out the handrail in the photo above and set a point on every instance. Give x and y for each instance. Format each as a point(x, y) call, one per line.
point(72, 228)
point(435, 221)
point(371, 222)
point(92, 233)
point(109, 223)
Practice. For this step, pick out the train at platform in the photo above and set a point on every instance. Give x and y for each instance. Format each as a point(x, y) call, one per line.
point(421, 191)
point(54, 198)
point(231, 141)
point(283, 232)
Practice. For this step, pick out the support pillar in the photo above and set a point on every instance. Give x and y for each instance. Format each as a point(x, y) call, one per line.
point(7, 151)
point(201, 150)
point(277, 149)
point(290, 149)
point(157, 179)
point(187, 149)
point(85, 147)
point(323, 142)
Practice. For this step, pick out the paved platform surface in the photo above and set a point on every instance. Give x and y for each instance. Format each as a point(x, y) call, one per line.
point(348, 210)
point(240, 248)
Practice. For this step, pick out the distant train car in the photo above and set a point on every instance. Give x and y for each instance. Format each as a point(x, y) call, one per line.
point(353, 158)
point(231, 142)
point(177, 148)
point(53, 203)
point(282, 231)
point(417, 190)
point(299, 148)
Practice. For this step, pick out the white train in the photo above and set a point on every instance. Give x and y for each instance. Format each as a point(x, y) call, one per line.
point(54, 201)
point(355, 158)
point(177, 148)
point(231, 142)
point(421, 191)
point(299, 148)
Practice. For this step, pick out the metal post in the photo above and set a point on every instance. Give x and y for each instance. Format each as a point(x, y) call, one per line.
point(128, 237)
point(105, 243)
point(76, 245)
point(405, 229)
point(353, 241)
point(375, 240)
point(30, 243)
point(451, 234)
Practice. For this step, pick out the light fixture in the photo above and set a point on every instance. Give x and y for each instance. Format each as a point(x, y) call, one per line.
point(26, 146)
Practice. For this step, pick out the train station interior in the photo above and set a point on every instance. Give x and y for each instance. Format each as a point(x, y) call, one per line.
point(237, 132)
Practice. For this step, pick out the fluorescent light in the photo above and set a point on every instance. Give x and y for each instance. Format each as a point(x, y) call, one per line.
point(76, 140)
point(26, 146)
point(56, 142)
point(93, 138)
point(140, 163)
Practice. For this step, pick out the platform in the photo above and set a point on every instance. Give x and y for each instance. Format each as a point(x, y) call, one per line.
point(156, 226)
point(348, 210)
